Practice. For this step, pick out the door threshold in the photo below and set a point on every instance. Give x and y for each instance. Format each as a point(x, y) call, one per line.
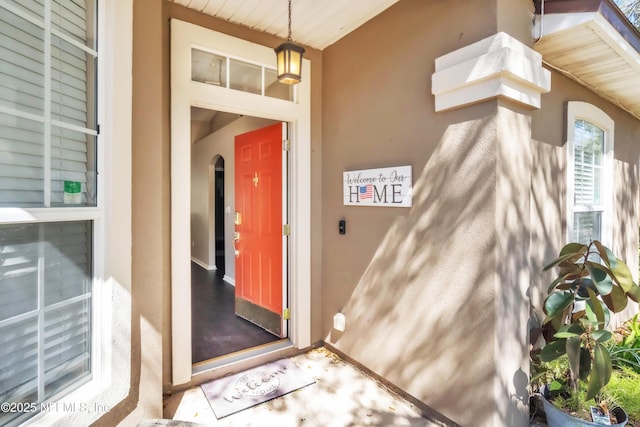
point(244, 359)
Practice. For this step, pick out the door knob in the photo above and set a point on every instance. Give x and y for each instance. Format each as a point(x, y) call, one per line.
point(236, 238)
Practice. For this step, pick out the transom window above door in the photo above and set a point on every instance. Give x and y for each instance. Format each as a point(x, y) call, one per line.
point(220, 70)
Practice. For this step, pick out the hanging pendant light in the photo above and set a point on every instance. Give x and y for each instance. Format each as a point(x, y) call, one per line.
point(289, 59)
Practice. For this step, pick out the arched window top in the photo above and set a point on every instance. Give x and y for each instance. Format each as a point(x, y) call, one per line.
point(589, 113)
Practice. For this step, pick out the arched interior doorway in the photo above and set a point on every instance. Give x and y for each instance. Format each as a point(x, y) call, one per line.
point(218, 215)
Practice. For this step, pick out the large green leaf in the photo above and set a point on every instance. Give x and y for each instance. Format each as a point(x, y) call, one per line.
point(570, 330)
point(600, 371)
point(622, 275)
point(573, 248)
point(602, 335)
point(600, 276)
point(562, 287)
point(585, 364)
point(571, 271)
point(565, 335)
point(605, 253)
point(571, 251)
point(634, 293)
point(553, 350)
point(573, 353)
point(594, 306)
point(558, 280)
point(616, 300)
point(558, 321)
point(556, 303)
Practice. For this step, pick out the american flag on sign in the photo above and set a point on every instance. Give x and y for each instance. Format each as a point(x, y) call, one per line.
point(366, 191)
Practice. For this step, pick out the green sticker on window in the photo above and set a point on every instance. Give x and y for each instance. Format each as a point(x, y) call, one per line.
point(72, 192)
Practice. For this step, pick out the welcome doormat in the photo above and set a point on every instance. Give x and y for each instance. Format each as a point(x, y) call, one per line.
point(232, 394)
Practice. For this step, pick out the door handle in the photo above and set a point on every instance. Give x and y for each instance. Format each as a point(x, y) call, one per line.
point(236, 238)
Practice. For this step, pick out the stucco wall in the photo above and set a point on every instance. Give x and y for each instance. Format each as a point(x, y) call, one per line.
point(203, 157)
point(140, 359)
point(548, 188)
point(427, 290)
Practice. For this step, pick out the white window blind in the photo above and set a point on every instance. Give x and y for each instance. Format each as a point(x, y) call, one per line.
point(48, 159)
point(590, 173)
point(47, 104)
point(45, 309)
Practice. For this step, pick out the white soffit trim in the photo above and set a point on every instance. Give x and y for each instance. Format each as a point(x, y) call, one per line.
point(587, 48)
point(498, 66)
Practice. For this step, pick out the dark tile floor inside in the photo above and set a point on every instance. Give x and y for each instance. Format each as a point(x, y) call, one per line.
point(215, 329)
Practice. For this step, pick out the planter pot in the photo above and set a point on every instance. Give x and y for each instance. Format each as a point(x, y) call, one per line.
point(558, 418)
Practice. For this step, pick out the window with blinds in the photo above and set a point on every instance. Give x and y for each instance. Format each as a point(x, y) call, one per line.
point(587, 190)
point(45, 310)
point(590, 144)
point(48, 159)
point(47, 104)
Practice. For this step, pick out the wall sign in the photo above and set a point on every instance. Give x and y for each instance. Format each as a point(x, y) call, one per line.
point(378, 187)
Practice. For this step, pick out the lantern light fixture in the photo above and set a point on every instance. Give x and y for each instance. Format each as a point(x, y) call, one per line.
point(289, 59)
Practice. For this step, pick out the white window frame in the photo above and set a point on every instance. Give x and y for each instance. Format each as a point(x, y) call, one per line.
point(111, 323)
point(577, 110)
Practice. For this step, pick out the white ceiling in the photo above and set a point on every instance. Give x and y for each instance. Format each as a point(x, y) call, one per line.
point(314, 23)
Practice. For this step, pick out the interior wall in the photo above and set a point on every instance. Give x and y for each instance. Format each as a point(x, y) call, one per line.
point(199, 129)
point(548, 188)
point(203, 154)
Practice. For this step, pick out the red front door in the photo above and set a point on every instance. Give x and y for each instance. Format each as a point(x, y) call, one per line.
point(258, 227)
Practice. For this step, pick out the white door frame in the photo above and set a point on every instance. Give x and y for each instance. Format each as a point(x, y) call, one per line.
point(186, 93)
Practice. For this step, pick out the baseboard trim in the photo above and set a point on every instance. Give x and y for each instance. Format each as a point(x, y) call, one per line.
point(229, 280)
point(203, 264)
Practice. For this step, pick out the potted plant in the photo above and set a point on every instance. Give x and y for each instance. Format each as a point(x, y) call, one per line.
point(591, 284)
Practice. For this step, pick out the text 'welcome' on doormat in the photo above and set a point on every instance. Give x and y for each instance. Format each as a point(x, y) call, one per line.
point(234, 393)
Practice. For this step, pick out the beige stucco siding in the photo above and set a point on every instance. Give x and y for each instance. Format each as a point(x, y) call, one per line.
point(426, 290)
point(548, 188)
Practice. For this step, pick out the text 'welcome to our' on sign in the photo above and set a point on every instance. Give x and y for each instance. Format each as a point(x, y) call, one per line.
point(378, 187)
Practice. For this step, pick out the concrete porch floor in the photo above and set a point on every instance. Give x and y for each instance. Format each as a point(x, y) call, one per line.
point(341, 396)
